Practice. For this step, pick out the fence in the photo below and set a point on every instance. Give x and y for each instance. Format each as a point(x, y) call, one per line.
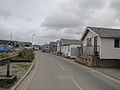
point(89, 50)
point(4, 61)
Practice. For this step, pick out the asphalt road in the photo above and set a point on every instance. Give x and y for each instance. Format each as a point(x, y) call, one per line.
point(56, 73)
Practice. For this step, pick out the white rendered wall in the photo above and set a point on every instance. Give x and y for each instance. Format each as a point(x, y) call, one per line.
point(107, 49)
point(91, 35)
point(64, 50)
point(72, 46)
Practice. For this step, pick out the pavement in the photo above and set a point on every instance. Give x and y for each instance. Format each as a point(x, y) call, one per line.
point(113, 72)
point(52, 72)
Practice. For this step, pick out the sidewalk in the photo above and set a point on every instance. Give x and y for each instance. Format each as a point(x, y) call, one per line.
point(113, 72)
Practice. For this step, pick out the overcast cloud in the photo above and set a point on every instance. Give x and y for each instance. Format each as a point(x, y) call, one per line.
point(54, 19)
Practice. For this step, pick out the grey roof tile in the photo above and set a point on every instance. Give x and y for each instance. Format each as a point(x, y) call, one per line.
point(106, 32)
point(70, 41)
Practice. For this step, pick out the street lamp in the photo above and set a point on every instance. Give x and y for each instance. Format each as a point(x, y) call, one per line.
point(33, 36)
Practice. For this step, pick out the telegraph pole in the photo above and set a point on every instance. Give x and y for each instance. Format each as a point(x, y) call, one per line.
point(8, 68)
point(8, 61)
point(11, 36)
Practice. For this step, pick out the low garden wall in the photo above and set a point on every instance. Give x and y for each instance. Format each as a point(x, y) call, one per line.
point(4, 81)
point(91, 61)
point(108, 63)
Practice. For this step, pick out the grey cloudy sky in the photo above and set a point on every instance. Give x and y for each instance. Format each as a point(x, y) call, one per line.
point(54, 19)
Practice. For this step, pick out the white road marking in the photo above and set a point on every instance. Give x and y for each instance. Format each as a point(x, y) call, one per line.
point(61, 66)
point(29, 79)
point(95, 71)
point(76, 84)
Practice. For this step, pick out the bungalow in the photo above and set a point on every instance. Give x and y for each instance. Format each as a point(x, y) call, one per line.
point(53, 47)
point(36, 47)
point(102, 43)
point(7, 43)
point(58, 46)
point(4, 42)
point(27, 45)
point(70, 48)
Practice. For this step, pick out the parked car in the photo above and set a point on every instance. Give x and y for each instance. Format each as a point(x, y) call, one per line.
point(46, 50)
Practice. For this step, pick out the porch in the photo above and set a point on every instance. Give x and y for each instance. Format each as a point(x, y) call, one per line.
point(90, 50)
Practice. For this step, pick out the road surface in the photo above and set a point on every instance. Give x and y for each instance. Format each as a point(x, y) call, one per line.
point(56, 73)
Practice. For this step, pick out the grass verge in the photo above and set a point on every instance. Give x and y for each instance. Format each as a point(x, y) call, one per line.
point(25, 67)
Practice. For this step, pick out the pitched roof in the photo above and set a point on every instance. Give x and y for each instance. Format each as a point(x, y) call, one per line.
point(53, 43)
point(70, 41)
point(27, 43)
point(7, 42)
point(106, 32)
point(4, 42)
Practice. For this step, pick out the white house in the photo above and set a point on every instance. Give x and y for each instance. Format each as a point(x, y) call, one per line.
point(58, 47)
point(70, 48)
point(102, 42)
point(53, 47)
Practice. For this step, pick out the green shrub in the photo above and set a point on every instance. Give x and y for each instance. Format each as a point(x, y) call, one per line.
point(3, 55)
point(27, 54)
point(25, 67)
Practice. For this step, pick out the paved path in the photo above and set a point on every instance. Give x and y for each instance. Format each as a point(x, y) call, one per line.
point(56, 73)
point(113, 72)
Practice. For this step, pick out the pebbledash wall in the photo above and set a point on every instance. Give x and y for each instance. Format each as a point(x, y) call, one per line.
point(108, 51)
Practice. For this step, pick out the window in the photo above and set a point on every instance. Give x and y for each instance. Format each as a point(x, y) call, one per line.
point(116, 43)
point(27, 45)
point(89, 42)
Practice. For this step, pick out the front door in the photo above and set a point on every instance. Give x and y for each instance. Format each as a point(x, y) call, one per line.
point(95, 45)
